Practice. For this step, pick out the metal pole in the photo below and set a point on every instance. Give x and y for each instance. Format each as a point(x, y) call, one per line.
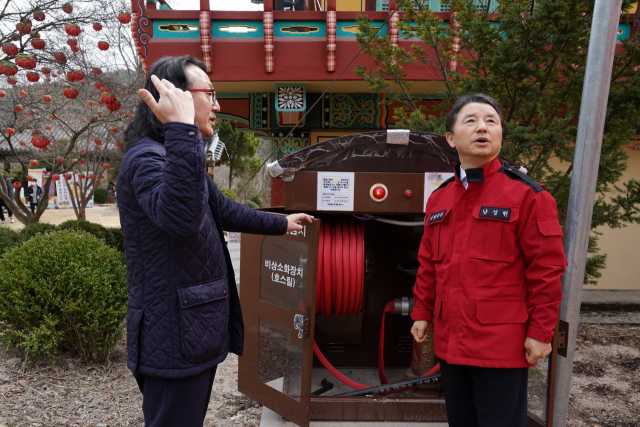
point(595, 93)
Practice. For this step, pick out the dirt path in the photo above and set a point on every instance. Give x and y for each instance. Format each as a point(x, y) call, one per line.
point(70, 393)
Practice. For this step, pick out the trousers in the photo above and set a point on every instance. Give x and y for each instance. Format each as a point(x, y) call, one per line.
point(485, 397)
point(175, 402)
point(2, 203)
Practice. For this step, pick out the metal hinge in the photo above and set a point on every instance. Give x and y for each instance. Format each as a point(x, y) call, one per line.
point(301, 324)
point(563, 336)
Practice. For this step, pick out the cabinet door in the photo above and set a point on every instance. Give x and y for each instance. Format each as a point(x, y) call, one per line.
point(278, 292)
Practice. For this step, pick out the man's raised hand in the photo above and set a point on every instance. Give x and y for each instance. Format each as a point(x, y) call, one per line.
point(174, 105)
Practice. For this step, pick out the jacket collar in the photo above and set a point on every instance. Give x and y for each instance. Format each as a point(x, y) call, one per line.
point(479, 174)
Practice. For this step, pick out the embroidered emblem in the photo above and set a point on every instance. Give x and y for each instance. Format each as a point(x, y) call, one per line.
point(436, 216)
point(495, 213)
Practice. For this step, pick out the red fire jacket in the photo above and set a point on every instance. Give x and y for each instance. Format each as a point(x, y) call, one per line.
point(491, 259)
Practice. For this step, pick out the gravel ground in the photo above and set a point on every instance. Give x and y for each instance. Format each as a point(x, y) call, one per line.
point(605, 390)
point(71, 393)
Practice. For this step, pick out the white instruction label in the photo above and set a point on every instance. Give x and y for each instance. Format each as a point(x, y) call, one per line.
point(335, 191)
point(433, 180)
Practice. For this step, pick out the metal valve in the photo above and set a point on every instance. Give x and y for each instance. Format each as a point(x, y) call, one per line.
point(404, 305)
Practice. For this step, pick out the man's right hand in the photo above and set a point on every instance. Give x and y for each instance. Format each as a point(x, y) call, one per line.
point(419, 330)
point(174, 105)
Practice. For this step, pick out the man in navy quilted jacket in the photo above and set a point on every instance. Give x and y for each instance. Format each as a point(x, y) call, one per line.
point(183, 312)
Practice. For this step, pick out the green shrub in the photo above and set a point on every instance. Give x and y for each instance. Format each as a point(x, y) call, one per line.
point(111, 236)
point(38, 227)
point(228, 193)
point(63, 291)
point(257, 200)
point(250, 204)
point(9, 238)
point(100, 196)
point(115, 238)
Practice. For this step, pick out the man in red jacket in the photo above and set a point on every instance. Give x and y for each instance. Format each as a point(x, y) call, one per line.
point(491, 259)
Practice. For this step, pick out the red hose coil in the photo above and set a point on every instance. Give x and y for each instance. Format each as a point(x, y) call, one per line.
point(340, 284)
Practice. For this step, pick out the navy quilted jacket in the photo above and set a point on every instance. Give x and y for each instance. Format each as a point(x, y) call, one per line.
point(183, 314)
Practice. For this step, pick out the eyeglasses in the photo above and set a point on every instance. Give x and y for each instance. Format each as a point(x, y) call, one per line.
point(212, 93)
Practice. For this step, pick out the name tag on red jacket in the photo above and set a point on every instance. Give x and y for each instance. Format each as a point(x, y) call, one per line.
point(495, 213)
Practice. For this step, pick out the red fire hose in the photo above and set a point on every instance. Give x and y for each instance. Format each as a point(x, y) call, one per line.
point(340, 285)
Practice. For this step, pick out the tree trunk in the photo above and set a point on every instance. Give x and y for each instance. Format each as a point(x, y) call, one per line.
point(230, 175)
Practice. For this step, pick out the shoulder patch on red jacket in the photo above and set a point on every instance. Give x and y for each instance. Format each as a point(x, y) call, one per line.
point(516, 175)
point(445, 183)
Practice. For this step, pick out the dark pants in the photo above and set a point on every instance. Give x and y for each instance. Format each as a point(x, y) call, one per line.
point(33, 207)
point(2, 203)
point(485, 397)
point(175, 402)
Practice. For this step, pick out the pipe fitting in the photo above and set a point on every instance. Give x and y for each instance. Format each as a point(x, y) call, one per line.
point(404, 305)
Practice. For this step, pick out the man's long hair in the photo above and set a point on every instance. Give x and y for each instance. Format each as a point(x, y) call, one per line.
point(144, 122)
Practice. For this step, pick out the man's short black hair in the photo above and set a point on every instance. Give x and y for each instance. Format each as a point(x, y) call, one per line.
point(468, 99)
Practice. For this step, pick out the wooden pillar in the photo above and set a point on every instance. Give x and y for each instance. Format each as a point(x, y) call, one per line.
point(204, 5)
point(309, 5)
point(370, 5)
point(268, 5)
point(331, 5)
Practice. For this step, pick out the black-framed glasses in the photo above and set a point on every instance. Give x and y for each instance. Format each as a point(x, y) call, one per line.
point(212, 93)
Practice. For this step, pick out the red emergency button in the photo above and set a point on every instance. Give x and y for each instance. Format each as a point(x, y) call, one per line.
point(408, 193)
point(378, 192)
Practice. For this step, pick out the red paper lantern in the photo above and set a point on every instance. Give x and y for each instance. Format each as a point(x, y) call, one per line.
point(96, 71)
point(12, 80)
point(52, 117)
point(8, 68)
point(103, 45)
point(60, 58)
point(33, 163)
point(47, 128)
point(17, 185)
point(98, 141)
point(82, 162)
point(59, 160)
point(22, 94)
point(106, 166)
point(70, 92)
point(38, 15)
point(67, 176)
point(124, 17)
point(10, 49)
point(114, 106)
point(119, 144)
point(18, 108)
point(26, 61)
point(46, 70)
point(11, 131)
point(33, 76)
point(56, 177)
point(90, 103)
point(23, 144)
point(72, 30)
point(24, 26)
point(47, 98)
point(3, 94)
point(38, 44)
point(67, 7)
point(97, 26)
